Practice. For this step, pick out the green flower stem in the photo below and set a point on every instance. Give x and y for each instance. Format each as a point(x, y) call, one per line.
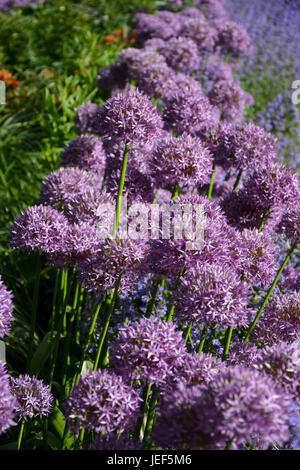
point(175, 192)
point(111, 301)
point(237, 181)
point(187, 332)
point(121, 187)
point(264, 218)
point(202, 340)
point(289, 254)
point(171, 309)
point(60, 329)
point(20, 436)
point(34, 309)
point(138, 430)
point(157, 284)
point(211, 183)
point(66, 356)
point(79, 311)
point(151, 416)
point(227, 342)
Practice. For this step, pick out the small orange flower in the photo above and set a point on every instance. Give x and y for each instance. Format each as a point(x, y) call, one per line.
point(119, 33)
point(110, 38)
point(132, 34)
point(47, 73)
point(9, 79)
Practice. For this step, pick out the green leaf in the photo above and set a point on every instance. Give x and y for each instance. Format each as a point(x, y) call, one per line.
point(57, 423)
point(41, 355)
point(87, 366)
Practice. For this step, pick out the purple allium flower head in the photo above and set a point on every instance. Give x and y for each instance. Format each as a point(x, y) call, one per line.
point(85, 152)
point(290, 224)
point(129, 117)
point(244, 406)
point(84, 119)
point(181, 54)
point(179, 83)
point(282, 362)
point(33, 397)
point(212, 295)
point(114, 442)
point(280, 320)
point(101, 401)
point(232, 37)
point(115, 257)
point(202, 33)
point(150, 350)
point(6, 309)
point(138, 185)
point(39, 228)
point(244, 354)
point(181, 159)
point(149, 26)
point(212, 8)
point(61, 186)
point(230, 98)
point(258, 257)
point(94, 206)
point(290, 279)
point(272, 185)
point(192, 12)
point(7, 401)
point(189, 112)
point(111, 77)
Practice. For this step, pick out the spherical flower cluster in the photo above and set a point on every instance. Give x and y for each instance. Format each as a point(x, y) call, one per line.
point(163, 25)
point(33, 397)
point(183, 160)
point(129, 117)
point(189, 111)
point(85, 152)
point(101, 402)
point(212, 295)
point(232, 37)
point(290, 224)
point(257, 257)
point(280, 320)
point(244, 354)
point(290, 279)
point(282, 362)
point(200, 31)
point(93, 206)
point(39, 228)
point(7, 401)
point(114, 258)
point(230, 98)
point(114, 442)
point(111, 77)
point(149, 350)
point(61, 186)
point(6, 309)
point(85, 118)
point(181, 54)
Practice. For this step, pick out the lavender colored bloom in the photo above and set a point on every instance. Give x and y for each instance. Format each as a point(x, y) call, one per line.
point(189, 112)
point(212, 8)
point(282, 362)
point(230, 98)
point(181, 54)
point(202, 33)
point(85, 152)
point(181, 159)
point(212, 294)
point(84, 119)
point(39, 228)
point(61, 186)
point(101, 401)
point(6, 309)
point(280, 320)
point(111, 77)
point(232, 37)
point(290, 279)
point(7, 401)
point(129, 117)
point(240, 406)
point(138, 185)
point(290, 224)
point(114, 442)
point(149, 350)
point(93, 206)
point(163, 25)
point(33, 397)
point(257, 256)
point(115, 257)
point(243, 354)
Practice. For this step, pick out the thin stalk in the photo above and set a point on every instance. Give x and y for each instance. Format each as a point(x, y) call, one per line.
point(227, 342)
point(140, 421)
point(34, 309)
point(113, 297)
point(211, 183)
point(20, 436)
point(150, 305)
point(171, 309)
point(79, 310)
point(266, 213)
point(175, 192)
point(121, 187)
point(202, 340)
point(151, 415)
point(187, 332)
point(290, 252)
point(237, 181)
